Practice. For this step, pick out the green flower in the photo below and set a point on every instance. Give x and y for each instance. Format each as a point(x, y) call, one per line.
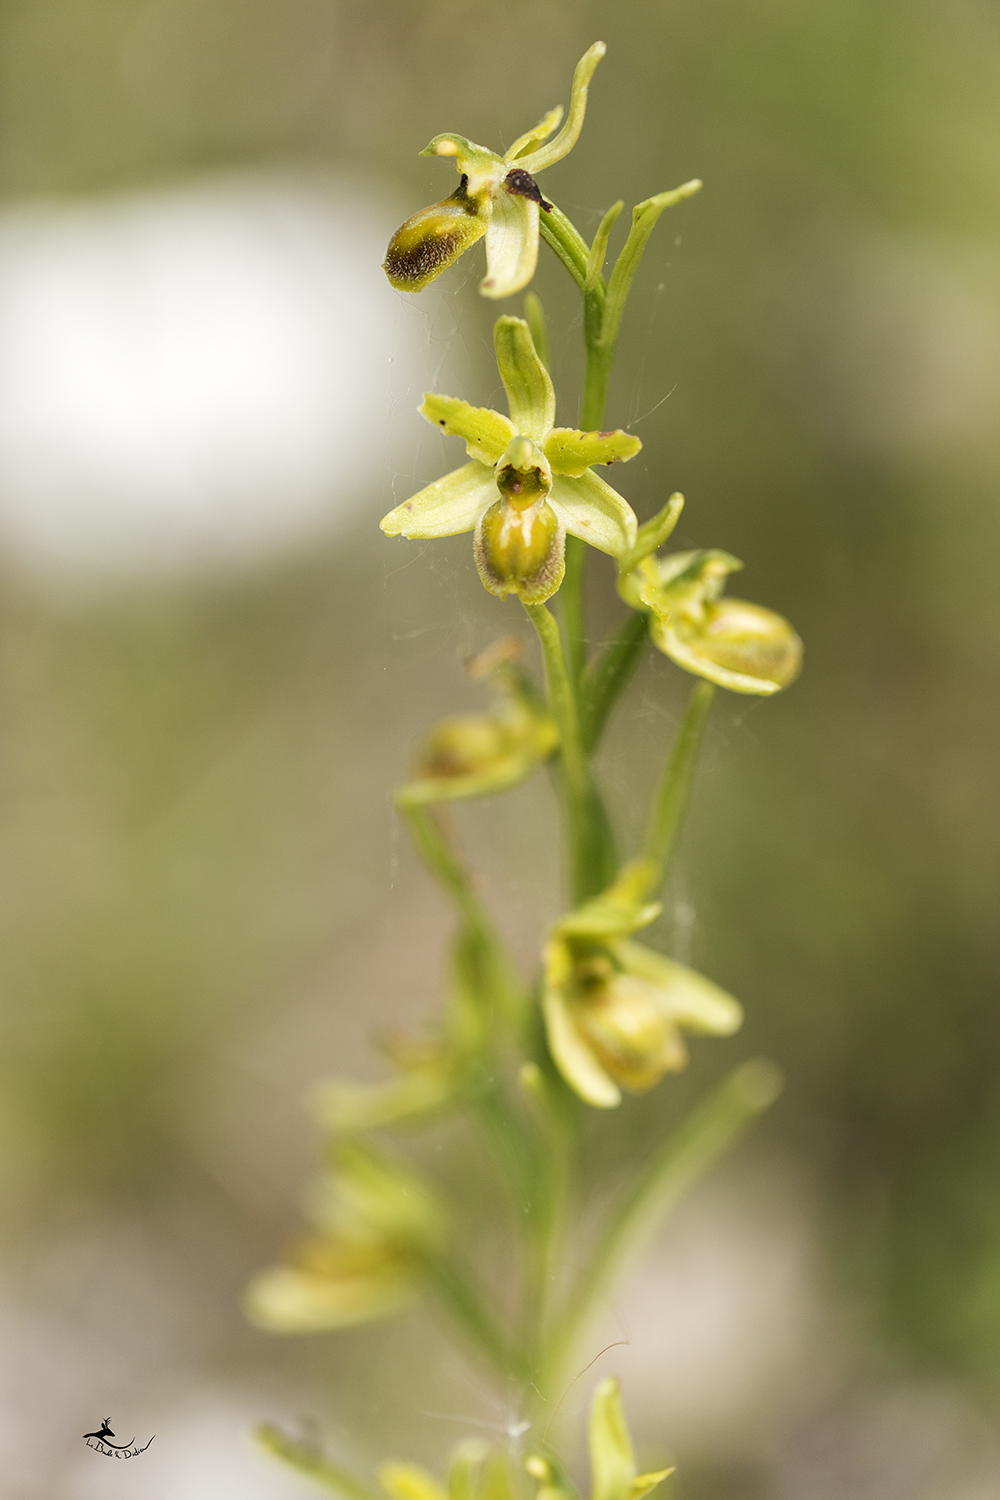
point(376, 1227)
point(473, 755)
point(615, 1010)
point(528, 482)
point(613, 1472)
point(478, 1471)
point(497, 196)
point(429, 1074)
point(737, 645)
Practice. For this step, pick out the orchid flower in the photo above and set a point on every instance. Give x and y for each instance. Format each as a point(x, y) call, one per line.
point(614, 1010)
point(528, 482)
point(497, 196)
point(737, 645)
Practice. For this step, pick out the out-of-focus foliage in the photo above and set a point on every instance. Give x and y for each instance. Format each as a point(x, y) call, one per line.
point(193, 782)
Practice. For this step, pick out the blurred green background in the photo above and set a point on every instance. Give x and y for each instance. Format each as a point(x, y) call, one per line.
point(206, 902)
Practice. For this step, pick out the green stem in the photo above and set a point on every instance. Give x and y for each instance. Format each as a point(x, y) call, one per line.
point(587, 826)
point(441, 860)
point(461, 1300)
point(310, 1459)
point(596, 376)
point(672, 793)
point(709, 1129)
point(565, 239)
point(607, 675)
point(573, 612)
point(483, 954)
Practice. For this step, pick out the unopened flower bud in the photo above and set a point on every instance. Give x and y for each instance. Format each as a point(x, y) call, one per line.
point(375, 1228)
point(737, 644)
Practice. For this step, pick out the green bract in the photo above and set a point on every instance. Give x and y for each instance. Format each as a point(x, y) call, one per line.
point(740, 646)
point(497, 196)
point(614, 1010)
point(528, 482)
point(613, 1474)
point(375, 1228)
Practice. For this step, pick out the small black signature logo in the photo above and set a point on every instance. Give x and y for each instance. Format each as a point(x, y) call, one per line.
point(113, 1450)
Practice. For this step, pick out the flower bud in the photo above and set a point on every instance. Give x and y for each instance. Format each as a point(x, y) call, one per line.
point(474, 755)
point(376, 1227)
point(738, 645)
point(613, 1008)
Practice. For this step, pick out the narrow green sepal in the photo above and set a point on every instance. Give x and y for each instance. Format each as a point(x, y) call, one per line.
point(612, 1464)
point(622, 908)
point(599, 248)
point(409, 1482)
point(653, 533)
point(555, 150)
point(529, 390)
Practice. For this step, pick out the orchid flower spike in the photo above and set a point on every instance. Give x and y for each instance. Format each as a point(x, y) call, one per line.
point(497, 196)
point(528, 482)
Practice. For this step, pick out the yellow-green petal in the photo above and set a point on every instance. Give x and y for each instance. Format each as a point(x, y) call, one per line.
point(448, 506)
point(539, 132)
point(287, 1299)
point(409, 1482)
point(572, 452)
point(684, 996)
point(571, 1055)
point(737, 645)
point(612, 1465)
point(564, 142)
point(593, 511)
point(529, 390)
point(511, 244)
point(485, 432)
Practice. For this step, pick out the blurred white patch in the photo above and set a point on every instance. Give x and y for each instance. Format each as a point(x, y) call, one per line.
point(194, 377)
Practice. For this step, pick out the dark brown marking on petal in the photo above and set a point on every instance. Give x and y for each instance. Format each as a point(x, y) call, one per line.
point(422, 258)
point(521, 183)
